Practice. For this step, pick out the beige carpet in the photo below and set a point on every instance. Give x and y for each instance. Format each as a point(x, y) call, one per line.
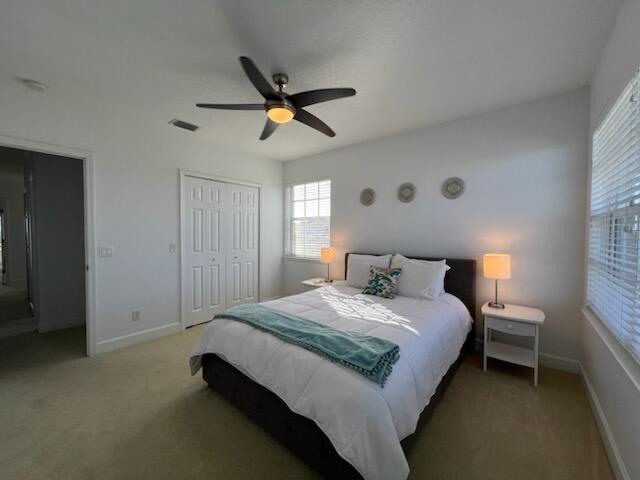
point(138, 414)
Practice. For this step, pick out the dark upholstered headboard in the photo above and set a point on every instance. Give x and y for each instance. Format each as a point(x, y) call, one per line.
point(459, 281)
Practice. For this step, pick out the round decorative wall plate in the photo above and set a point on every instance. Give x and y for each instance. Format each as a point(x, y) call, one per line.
point(453, 187)
point(367, 197)
point(406, 192)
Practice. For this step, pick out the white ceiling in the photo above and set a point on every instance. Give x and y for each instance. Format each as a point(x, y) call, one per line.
point(414, 63)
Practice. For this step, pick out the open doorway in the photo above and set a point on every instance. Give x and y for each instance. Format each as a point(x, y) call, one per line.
point(43, 248)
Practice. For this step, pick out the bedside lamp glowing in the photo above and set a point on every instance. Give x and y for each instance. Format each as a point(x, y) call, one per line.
point(498, 267)
point(328, 256)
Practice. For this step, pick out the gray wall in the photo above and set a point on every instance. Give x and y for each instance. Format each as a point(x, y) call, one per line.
point(613, 375)
point(526, 172)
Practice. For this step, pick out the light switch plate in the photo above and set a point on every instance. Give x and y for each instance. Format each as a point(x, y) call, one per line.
point(105, 251)
point(172, 248)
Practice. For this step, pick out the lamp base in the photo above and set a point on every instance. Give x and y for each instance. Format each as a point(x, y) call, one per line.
point(496, 305)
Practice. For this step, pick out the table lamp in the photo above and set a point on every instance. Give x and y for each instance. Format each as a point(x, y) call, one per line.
point(498, 267)
point(328, 256)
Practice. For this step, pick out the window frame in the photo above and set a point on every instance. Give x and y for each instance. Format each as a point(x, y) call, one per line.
point(616, 238)
point(289, 219)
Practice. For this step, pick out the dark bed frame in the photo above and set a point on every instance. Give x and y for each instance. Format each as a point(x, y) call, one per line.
point(300, 434)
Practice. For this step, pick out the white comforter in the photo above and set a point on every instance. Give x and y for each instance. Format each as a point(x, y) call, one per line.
point(364, 422)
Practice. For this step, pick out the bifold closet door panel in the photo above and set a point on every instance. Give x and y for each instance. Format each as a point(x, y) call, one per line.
point(243, 242)
point(235, 237)
point(205, 256)
point(251, 243)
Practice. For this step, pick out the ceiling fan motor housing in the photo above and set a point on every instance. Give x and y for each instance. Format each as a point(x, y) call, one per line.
point(279, 101)
point(280, 79)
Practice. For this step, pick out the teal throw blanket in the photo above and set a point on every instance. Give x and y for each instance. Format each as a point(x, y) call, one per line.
point(370, 356)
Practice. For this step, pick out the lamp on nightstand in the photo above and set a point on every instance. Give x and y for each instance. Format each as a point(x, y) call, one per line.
point(328, 256)
point(498, 267)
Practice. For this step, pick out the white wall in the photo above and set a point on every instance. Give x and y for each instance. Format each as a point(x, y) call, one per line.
point(525, 168)
point(612, 373)
point(58, 226)
point(12, 201)
point(137, 158)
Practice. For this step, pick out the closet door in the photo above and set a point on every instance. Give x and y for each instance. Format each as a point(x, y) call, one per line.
point(205, 259)
point(235, 239)
point(251, 243)
point(242, 244)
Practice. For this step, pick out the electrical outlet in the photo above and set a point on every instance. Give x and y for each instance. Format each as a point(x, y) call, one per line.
point(172, 248)
point(135, 315)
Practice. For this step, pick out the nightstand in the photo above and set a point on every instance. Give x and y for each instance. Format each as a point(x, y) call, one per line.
point(318, 282)
point(514, 320)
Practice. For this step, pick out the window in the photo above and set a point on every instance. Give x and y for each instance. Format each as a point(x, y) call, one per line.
point(613, 290)
point(308, 218)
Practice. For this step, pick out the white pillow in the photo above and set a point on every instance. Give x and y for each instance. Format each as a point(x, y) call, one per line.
point(358, 268)
point(420, 278)
point(398, 259)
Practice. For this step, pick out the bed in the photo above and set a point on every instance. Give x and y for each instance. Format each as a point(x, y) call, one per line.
point(339, 423)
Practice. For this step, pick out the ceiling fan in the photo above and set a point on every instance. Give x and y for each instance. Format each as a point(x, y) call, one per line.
point(280, 106)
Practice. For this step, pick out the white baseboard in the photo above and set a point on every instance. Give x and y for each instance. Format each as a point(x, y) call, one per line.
point(619, 469)
point(560, 363)
point(138, 337)
point(44, 327)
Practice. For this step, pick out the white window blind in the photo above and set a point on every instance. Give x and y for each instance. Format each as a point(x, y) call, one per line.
point(308, 222)
point(613, 290)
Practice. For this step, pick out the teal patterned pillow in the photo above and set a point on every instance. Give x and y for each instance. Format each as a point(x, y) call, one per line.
point(382, 281)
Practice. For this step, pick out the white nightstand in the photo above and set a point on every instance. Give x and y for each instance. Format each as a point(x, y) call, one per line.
point(515, 320)
point(318, 282)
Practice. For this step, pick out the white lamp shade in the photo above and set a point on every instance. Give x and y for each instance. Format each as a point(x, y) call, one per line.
point(497, 265)
point(327, 255)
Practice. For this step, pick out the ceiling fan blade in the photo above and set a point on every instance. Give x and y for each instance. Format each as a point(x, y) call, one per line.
point(311, 97)
point(258, 80)
point(314, 122)
point(232, 106)
point(269, 128)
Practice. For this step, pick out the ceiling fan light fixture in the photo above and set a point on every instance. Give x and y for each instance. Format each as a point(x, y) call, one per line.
point(281, 113)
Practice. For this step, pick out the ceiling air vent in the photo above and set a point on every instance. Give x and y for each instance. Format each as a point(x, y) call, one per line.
point(182, 124)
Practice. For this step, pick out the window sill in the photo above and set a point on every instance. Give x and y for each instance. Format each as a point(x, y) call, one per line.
point(302, 259)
